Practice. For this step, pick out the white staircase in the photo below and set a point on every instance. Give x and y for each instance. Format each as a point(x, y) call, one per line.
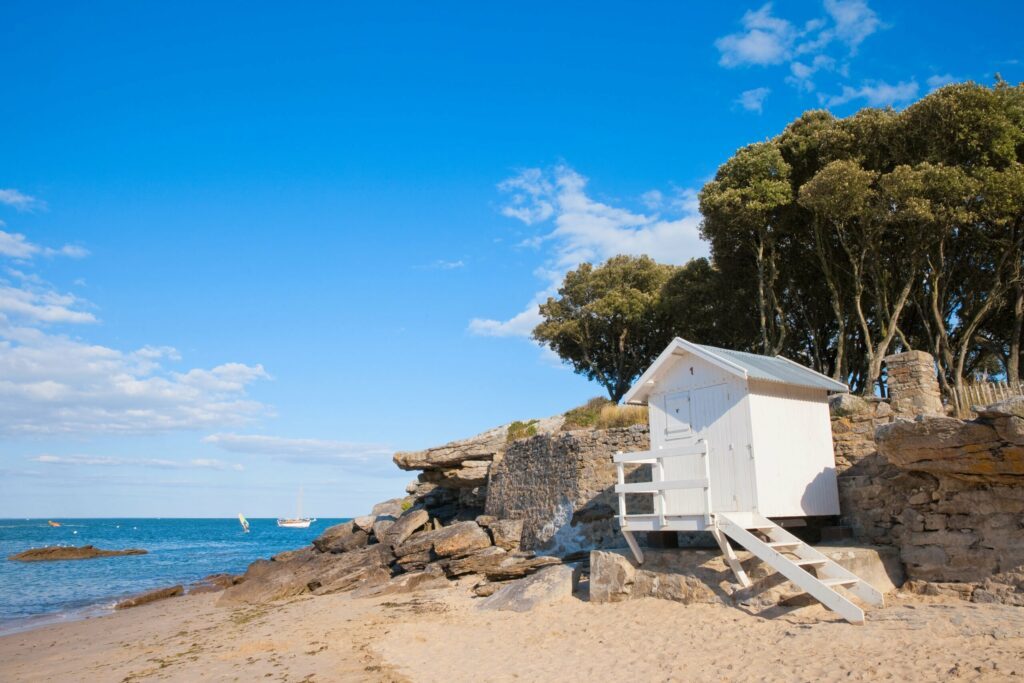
point(791, 557)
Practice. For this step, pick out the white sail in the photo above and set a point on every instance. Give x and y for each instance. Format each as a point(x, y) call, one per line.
point(244, 521)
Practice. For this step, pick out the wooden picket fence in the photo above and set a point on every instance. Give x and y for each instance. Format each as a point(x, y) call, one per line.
point(983, 393)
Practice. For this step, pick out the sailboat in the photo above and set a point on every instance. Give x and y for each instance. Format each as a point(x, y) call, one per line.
point(244, 521)
point(298, 522)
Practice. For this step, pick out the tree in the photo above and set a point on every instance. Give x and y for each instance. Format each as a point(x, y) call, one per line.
point(740, 210)
point(704, 306)
point(607, 322)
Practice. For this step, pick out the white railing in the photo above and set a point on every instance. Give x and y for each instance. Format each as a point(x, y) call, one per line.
point(658, 484)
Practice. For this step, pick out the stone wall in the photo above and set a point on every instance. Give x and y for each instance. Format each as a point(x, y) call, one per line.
point(948, 493)
point(561, 486)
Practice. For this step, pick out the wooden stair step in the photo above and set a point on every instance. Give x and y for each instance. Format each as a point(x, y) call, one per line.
point(784, 544)
point(839, 582)
point(809, 563)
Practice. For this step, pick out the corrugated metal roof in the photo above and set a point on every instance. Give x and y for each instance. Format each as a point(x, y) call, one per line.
point(777, 369)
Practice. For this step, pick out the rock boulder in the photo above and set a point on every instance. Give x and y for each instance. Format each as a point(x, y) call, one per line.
point(548, 586)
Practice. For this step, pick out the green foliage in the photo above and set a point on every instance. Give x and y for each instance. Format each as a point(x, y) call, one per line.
point(521, 430)
point(607, 322)
point(835, 243)
point(894, 230)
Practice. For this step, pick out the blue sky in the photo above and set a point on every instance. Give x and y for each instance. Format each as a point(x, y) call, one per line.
point(247, 248)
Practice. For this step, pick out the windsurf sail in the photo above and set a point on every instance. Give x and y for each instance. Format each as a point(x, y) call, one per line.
point(244, 521)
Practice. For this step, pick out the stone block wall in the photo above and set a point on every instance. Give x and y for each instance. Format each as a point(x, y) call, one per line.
point(562, 486)
point(913, 387)
point(947, 493)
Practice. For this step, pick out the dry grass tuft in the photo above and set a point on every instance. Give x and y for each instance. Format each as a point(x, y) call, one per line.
point(600, 413)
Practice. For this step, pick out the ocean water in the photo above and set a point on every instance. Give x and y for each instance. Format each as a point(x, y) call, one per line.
point(180, 551)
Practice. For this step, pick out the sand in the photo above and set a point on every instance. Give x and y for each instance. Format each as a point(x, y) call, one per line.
point(440, 636)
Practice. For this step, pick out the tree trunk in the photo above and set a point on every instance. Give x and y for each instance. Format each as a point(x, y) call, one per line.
point(1013, 364)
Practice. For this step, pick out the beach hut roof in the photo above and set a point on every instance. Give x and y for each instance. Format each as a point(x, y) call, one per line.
point(747, 365)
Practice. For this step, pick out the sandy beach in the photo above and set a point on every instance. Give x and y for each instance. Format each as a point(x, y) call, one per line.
point(439, 635)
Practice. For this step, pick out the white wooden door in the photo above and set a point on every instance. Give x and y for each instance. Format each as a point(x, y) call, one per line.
point(716, 417)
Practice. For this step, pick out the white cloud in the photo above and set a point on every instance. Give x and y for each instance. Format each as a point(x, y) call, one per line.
point(874, 93)
point(441, 264)
point(528, 197)
point(19, 200)
point(589, 230)
point(107, 461)
point(53, 384)
point(38, 303)
point(57, 384)
point(15, 245)
point(854, 20)
point(937, 81)
point(315, 451)
point(653, 199)
point(800, 73)
point(769, 40)
point(753, 100)
point(765, 40)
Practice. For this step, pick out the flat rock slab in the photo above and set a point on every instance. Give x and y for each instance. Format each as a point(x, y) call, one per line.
point(151, 596)
point(56, 553)
point(548, 586)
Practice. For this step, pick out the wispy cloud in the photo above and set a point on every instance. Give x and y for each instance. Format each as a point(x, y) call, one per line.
point(158, 463)
point(769, 40)
point(854, 21)
point(52, 383)
point(585, 229)
point(875, 94)
point(937, 81)
point(800, 73)
point(441, 264)
point(16, 245)
point(313, 451)
point(765, 40)
point(20, 201)
point(753, 100)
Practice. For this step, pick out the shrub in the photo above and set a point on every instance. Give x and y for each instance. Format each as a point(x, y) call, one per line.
point(521, 430)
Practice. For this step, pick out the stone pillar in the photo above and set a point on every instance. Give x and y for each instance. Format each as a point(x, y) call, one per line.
point(913, 384)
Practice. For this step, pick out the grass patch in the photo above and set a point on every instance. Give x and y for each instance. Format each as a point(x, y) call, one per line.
point(521, 430)
point(600, 413)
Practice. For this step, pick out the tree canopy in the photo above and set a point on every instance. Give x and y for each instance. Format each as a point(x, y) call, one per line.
point(835, 243)
point(607, 322)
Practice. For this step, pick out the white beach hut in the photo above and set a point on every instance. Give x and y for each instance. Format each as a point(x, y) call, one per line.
point(738, 438)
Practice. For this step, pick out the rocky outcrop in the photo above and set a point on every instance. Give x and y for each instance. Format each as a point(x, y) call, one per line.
point(561, 486)
point(59, 552)
point(463, 466)
point(341, 538)
point(151, 596)
point(426, 545)
point(214, 583)
point(989, 449)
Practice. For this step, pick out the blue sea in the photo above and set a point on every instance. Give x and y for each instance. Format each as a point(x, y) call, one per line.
point(180, 551)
